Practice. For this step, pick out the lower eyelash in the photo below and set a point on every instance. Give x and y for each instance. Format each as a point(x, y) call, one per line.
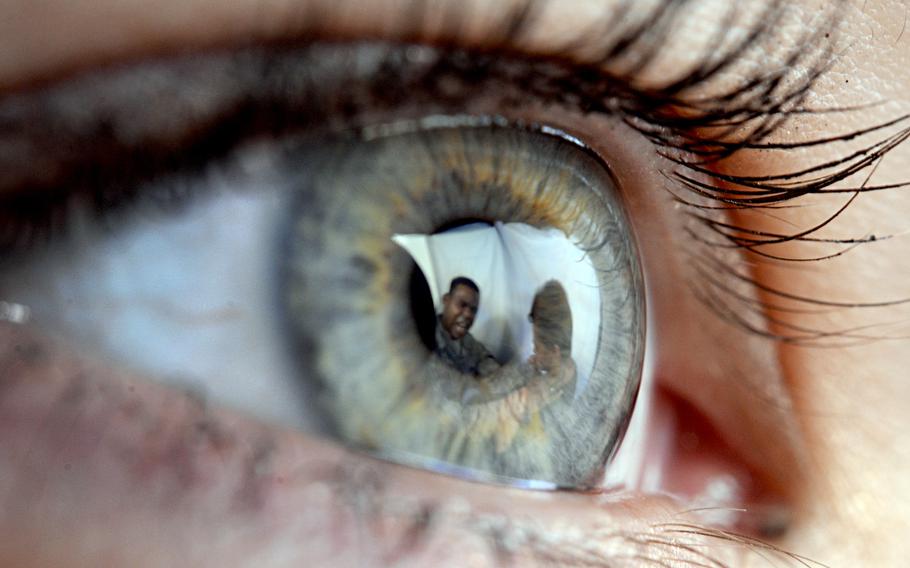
point(365, 495)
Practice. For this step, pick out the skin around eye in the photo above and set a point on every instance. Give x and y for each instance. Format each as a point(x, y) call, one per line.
point(851, 402)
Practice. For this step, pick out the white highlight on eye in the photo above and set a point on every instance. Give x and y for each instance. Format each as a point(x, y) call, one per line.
point(713, 505)
point(510, 262)
point(14, 313)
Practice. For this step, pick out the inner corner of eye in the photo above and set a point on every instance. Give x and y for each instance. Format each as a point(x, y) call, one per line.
point(468, 299)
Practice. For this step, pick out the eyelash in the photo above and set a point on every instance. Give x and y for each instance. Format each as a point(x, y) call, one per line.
point(697, 136)
point(657, 115)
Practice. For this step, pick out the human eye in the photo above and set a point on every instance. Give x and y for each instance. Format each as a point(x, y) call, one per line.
point(198, 451)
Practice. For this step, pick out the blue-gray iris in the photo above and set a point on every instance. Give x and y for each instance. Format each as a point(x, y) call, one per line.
point(547, 405)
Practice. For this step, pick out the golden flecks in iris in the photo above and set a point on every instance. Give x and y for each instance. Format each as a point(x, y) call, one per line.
point(347, 296)
point(541, 188)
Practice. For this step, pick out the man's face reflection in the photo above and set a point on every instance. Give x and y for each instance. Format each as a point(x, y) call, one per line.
point(459, 308)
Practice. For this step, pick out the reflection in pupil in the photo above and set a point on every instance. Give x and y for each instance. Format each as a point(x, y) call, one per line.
point(481, 287)
point(502, 371)
point(551, 321)
point(549, 373)
point(454, 343)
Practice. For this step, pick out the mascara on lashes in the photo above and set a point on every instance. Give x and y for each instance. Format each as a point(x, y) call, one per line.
point(101, 153)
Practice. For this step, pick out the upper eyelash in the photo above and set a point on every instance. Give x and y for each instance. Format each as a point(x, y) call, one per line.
point(698, 135)
point(665, 115)
point(359, 489)
point(695, 134)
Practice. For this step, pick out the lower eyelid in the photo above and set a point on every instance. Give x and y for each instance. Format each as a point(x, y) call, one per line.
point(85, 418)
point(155, 468)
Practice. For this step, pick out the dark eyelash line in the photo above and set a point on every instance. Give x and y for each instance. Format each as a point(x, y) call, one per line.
point(561, 80)
point(696, 133)
point(716, 288)
point(665, 117)
point(756, 190)
point(710, 129)
point(712, 134)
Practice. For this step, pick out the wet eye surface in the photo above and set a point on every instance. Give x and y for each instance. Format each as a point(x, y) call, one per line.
point(513, 349)
point(457, 294)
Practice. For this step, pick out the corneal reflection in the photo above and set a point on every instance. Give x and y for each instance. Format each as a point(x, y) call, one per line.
point(461, 378)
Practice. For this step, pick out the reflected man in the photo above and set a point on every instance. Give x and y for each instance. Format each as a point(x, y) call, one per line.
point(454, 344)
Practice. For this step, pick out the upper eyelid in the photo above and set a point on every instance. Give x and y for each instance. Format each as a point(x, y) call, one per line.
point(99, 131)
point(710, 127)
point(619, 45)
point(91, 119)
point(587, 87)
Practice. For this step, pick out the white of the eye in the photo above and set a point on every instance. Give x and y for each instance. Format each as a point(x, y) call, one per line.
point(636, 464)
point(187, 297)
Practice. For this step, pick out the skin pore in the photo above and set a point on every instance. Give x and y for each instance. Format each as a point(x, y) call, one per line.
point(103, 467)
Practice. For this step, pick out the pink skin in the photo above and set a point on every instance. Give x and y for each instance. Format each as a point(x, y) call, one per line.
point(99, 467)
point(459, 308)
point(123, 472)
